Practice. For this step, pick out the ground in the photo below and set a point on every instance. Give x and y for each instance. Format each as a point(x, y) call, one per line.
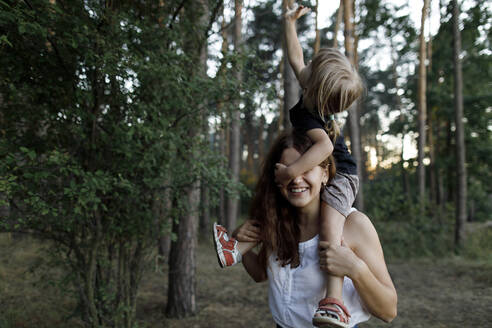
point(449, 292)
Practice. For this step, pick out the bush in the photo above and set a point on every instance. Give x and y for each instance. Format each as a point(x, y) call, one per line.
point(478, 244)
point(405, 231)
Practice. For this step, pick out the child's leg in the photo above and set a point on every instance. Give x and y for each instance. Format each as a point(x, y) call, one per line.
point(331, 229)
point(244, 247)
point(229, 250)
point(338, 198)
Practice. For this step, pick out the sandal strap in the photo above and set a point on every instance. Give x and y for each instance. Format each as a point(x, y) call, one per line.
point(325, 303)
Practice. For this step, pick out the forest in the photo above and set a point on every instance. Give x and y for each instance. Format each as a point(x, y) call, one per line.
point(127, 128)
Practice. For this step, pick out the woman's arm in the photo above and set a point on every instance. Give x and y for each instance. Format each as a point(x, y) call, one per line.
point(363, 261)
point(253, 268)
point(247, 233)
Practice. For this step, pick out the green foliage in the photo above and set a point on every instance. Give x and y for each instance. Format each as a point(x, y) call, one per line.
point(102, 109)
point(478, 245)
point(405, 231)
point(391, 198)
point(477, 63)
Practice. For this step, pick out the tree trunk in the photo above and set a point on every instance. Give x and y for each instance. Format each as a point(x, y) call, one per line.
point(461, 188)
point(429, 43)
point(164, 227)
point(337, 24)
point(399, 107)
point(182, 284)
point(222, 197)
point(261, 142)
point(223, 130)
point(204, 210)
point(182, 264)
point(204, 192)
point(353, 117)
point(422, 106)
point(291, 86)
point(249, 137)
point(234, 151)
point(432, 156)
point(431, 122)
point(317, 39)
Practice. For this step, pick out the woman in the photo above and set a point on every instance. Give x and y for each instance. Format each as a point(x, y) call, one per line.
point(285, 219)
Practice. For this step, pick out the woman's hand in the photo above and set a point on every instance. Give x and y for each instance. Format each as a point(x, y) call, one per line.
point(296, 12)
point(337, 260)
point(249, 231)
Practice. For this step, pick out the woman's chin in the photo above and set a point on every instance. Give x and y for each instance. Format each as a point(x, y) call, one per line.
point(299, 199)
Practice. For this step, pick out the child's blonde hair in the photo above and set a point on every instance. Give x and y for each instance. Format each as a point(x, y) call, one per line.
point(332, 86)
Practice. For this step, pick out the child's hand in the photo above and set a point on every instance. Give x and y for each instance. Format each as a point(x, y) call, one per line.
point(282, 174)
point(296, 12)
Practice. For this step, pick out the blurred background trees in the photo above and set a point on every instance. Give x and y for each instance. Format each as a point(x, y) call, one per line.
point(127, 128)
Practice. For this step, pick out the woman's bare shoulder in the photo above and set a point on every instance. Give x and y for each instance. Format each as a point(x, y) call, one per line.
point(359, 229)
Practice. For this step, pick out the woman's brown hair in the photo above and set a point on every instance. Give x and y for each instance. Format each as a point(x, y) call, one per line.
point(277, 217)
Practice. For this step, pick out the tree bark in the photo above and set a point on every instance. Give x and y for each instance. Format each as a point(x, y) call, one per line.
point(222, 197)
point(204, 191)
point(432, 156)
point(234, 152)
point(249, 137)
point(317, 39)
point(422, 106)
point(164, 226)
point(353, 117)
point(431, 122)
point(261, 142)
point(461, 188)
point(182, 265)
point(337, 24)
point(399, 107)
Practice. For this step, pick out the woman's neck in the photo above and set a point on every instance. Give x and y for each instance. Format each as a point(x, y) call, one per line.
point(308, 220)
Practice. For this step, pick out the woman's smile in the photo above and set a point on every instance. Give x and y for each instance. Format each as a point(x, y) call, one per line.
point(304, 189)
point(297, 190)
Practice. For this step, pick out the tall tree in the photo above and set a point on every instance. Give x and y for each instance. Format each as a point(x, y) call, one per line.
point(182, 262)
point(337, 24)
point(422, 104)
point(353, 117)
point(317, 38)
point(234, 150)
point(223, 130)
point(461, 188)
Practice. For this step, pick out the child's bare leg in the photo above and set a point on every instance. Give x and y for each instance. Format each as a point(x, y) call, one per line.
point(331, 229)
point(331, 310)
point(244, 247)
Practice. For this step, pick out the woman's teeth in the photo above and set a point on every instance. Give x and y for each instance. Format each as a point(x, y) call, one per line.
point(298, 189)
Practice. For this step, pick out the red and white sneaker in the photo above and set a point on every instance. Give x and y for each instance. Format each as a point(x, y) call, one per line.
point(226, 248)
point(331, 313)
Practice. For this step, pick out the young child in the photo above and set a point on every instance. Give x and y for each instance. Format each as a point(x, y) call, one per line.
point(330, 85)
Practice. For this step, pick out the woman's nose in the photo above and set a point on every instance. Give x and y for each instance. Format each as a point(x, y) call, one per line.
point(297, 179)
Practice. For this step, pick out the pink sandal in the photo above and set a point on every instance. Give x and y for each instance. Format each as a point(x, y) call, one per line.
point(332, 313)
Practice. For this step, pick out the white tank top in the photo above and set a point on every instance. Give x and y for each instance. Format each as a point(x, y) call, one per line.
point(293, 294)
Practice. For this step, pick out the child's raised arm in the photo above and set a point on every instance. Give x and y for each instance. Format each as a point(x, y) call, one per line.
point(294, 50)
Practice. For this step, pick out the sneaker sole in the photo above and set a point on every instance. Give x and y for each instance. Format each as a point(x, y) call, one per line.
point(326, 322)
